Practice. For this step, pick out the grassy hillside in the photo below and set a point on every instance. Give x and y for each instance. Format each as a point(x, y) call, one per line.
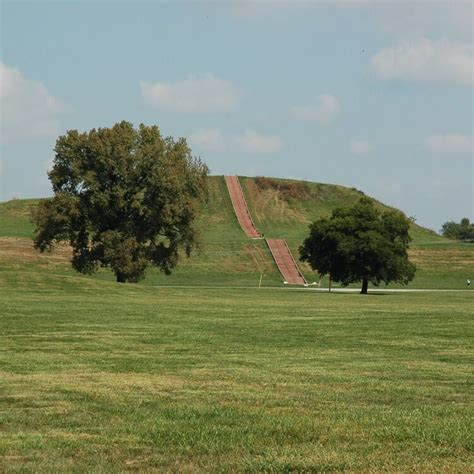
point(280, 208)
point(15, 218)
point(286, 207)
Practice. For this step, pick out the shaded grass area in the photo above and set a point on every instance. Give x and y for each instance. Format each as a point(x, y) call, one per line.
point(104, 377)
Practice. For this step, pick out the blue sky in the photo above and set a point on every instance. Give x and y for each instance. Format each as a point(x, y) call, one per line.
point(371, 94)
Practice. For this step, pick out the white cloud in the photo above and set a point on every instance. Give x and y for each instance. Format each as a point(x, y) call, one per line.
point(27, 108)
point(323, 113)
point(361, 147)
point(249, 141)
point(426, 60)
point(450, 143)
point(255, 142)
point(195, 95)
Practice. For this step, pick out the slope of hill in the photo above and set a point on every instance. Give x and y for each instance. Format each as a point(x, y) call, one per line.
point(15, 217)
point(280, 208)
point(286, 207)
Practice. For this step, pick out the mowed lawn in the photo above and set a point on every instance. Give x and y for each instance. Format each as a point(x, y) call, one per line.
point(100, 377)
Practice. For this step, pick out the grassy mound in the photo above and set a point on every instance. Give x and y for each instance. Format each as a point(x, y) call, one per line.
point(280, 208)
point(15, 218)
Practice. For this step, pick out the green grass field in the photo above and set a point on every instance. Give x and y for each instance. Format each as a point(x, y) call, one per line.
point(100, 377)
point(105, 377)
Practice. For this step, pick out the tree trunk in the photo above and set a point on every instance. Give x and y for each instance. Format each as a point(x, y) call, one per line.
point(365, 285)
point(120, 278)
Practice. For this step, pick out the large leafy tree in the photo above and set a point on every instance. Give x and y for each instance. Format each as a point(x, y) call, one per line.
point(124, 198)
point(360, 243)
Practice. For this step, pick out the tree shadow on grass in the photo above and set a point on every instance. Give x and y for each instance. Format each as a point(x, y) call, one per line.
point(356, 293)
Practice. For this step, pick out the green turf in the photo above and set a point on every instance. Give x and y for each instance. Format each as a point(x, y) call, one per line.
point(101, 377)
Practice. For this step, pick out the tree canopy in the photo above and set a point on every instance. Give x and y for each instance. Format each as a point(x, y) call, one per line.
point(462, 231)
point(360, 243)
point(124, 198)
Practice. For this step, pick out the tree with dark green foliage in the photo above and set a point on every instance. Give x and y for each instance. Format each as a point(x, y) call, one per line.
point(124, 198)
point(462, 231)
point(360, 243)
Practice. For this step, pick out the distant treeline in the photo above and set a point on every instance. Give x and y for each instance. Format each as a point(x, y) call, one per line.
point(462, 231)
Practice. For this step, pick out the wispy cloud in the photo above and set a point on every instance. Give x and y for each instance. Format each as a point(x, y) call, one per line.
point(360, 147)
point(249, 141)
point(28, 108)
point(195, 95)
point(426, 61)
point(323, 112)
point(450, 143)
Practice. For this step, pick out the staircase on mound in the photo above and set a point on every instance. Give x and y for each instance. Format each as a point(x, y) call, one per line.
point(240, 207)
point(278, 247)
point(285, 262)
